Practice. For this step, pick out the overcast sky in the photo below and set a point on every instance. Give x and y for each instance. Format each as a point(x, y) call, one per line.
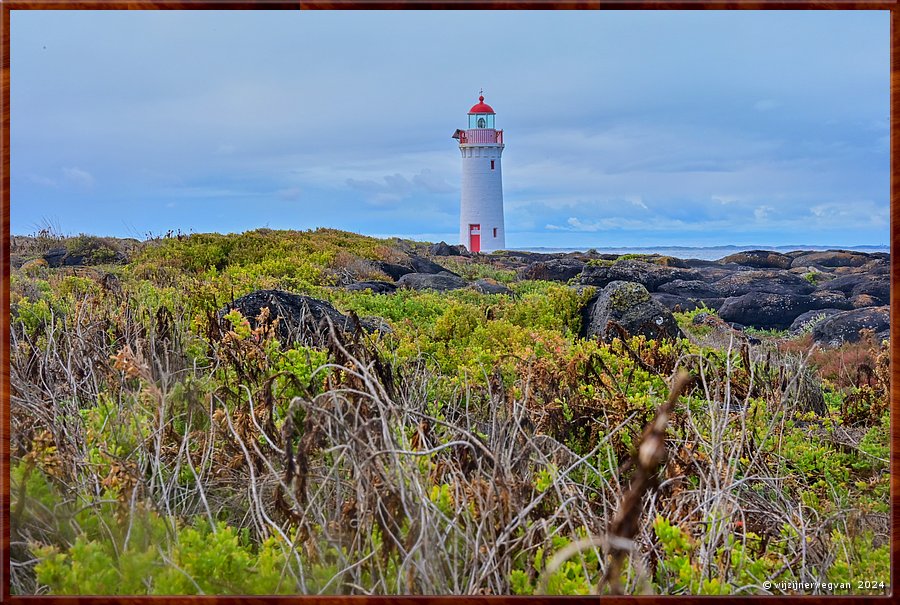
point(621, 128)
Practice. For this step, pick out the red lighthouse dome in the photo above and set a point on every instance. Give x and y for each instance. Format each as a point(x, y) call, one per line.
point(481, 107)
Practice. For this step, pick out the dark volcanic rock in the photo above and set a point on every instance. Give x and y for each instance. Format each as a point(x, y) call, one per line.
point(490, 286)
point(694, 288)
point(55, 256)
point(301, 318)
point(713, 303)
point(74, 259)
point(630, 306)
point(844, 283)
point(877, 286)
point(649, 275)
point(864, 300)
point(558, 269)
point(760, 259)
point(714, 272)
point(377, 287)
point(772, 282)
point(441, 282)
point(805, 321)
point(442, 248)
point(845, 326)
point(669, 261)
point(877, 267)
point(87, 251)
point(423, 265)
point(765, 310)
point(674, 303)
point(831, 258)
point(830, 299)
point(393, 271)
point(372, 323)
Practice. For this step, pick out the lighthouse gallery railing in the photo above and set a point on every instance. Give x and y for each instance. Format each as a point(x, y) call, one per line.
point(481, 135)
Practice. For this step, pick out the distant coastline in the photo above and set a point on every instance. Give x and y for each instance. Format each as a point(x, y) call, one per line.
point(698, 252)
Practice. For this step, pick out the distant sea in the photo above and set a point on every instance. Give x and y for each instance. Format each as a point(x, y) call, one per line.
point(704, 253)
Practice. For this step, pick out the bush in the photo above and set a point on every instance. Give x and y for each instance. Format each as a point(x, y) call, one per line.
point(156, 449)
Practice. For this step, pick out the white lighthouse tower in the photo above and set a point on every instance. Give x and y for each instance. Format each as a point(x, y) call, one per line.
point(481, 204)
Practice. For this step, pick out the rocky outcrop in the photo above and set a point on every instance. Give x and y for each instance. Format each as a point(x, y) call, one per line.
point(806, 321)
point(770, 282)
point(760, 259)
point(90, 252)
point(301, 319)
point(830, 299)
point(416, 264)
point(423, 265)
point(695, 288)
point(375, 286)
point(765, 310)
point(490, 286)
point(739, 284)
point(675, 304)
point(878, 286)
point(55, 257)
point(864, 300)
point(393, 271)
point(560, 269)
point(629, 306)
point(830, 258)
point(649, 275)
point(441, 282)
point(442, 248)
point(845, 326)
point(371, 323)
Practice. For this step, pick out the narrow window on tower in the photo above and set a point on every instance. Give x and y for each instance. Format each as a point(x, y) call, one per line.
point(492, 164)
point(495, 229)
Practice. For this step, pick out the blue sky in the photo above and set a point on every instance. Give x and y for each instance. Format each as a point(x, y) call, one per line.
point(622, 128)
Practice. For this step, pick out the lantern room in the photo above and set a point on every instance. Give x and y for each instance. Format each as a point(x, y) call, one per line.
point(481, 115)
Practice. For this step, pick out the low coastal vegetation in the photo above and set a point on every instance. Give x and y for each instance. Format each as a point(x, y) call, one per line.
point(478, 428)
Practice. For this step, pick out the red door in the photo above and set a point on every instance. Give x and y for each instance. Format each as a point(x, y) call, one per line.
point(474, 238)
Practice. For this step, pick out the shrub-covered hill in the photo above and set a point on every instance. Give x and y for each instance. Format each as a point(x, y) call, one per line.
point(478, 439)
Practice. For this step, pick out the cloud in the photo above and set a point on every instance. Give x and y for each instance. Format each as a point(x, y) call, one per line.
point(393, 189)
point(832, 211)
point(79, 177)
point(762, 212)
point(432, 182)
point(576, 224)
point(852, 213)
point(289, 113)
point(637, 201)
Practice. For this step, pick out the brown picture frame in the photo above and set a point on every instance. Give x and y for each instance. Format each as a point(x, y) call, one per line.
point(890, 5)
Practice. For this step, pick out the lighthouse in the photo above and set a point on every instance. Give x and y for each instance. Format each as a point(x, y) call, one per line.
point(481, 203)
